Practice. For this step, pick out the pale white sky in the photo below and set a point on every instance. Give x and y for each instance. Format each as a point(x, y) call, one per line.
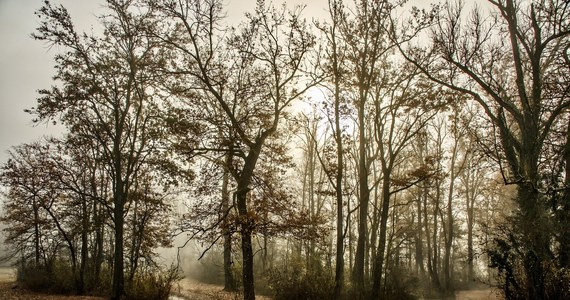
point(26, 65)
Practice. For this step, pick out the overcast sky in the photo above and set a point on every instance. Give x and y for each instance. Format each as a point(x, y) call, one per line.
point(26, 65)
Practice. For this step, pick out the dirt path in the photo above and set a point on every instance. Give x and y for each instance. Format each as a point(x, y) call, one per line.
point(191, 289)
point(7, 274)
point(485, 294)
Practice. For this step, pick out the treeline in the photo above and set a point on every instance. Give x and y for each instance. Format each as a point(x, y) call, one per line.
point(382, 151)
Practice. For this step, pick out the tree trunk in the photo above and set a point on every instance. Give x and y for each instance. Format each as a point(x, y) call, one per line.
point(535, 236)
point(84, 246)
point(419, 240)
point(364, 193)
point(435, 241)
point(564, 236)
point(469, 183)
point(246, 221)
point(118, 262)
point(99, 238)
point(339, 267)
point(246, 245)
point(377, 271)
point(229, 281)
point(36, 232)
point(371, 251)
point(430, 268)
point(447, 266)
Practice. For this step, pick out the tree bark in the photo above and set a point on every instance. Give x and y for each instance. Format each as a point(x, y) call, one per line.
point(419, 239)
point(35, 207)
point(335, 10)
point(564, 236)
point(84, 246)
point(246, 221)
point(377, 271)
point(229, 281)
point(119, 220)
point(364, 199)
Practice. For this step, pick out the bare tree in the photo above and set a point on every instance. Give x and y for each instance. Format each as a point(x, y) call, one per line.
point(503, 62)
point(105, 92)
point(251, 77)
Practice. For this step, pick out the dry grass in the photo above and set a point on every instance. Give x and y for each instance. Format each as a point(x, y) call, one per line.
point(10, 290)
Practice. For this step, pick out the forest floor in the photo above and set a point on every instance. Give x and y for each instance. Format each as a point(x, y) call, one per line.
point(186, 289)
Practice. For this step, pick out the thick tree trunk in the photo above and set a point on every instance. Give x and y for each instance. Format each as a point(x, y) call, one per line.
point(246, 245)
point(564, 235)
point(535, 235)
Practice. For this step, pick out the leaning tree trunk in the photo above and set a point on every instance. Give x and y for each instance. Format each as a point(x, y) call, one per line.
point(245, 219)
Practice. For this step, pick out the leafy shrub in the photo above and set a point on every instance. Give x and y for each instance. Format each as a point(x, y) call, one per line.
point(295, 281)
point(32, 277)
point(153, 285)
point(506, 257)
point(399, 284)
point(56, 277)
